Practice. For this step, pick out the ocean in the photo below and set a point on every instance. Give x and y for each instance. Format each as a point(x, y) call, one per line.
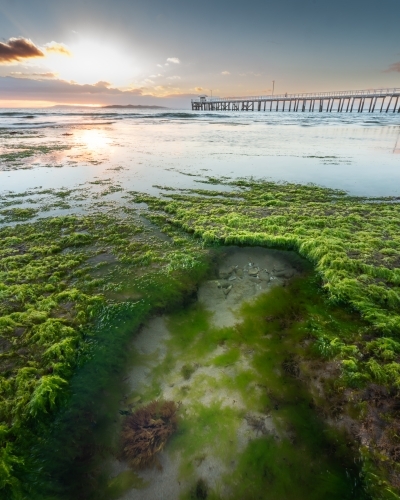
point(75, 148)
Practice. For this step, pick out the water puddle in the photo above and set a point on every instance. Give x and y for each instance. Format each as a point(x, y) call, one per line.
point(247, 427)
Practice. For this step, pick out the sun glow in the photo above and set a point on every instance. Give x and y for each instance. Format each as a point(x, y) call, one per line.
point(95, 61)
point(93, 139)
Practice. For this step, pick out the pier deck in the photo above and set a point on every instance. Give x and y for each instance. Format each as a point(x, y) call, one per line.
point(380, 100)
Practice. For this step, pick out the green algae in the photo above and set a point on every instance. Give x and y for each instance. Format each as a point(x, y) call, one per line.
point(51, 302)
point(228, 358)
point(280, 471)
point(24, 151)
point(187, 371)
point(57, 320)
point(308, 459)
point(352, 242)
point(122, 483)
point(18, 214)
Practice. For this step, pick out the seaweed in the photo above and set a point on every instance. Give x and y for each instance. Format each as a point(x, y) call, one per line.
point(187, 371)
point(146, 431)
point(57, 321)
point(200, 490)
point(53, 307)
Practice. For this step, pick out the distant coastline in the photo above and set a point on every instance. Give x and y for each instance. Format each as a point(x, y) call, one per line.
point(134, 106)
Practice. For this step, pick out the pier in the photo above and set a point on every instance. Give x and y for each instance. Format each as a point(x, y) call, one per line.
point(346, 101)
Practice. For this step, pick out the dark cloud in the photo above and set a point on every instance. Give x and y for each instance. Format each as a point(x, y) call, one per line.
point(393, 68)
point(18, 49)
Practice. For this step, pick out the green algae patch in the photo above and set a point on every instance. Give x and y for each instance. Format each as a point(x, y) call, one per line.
point(18, 214)
point(354, 245)
point(247, 408)
point(64, 325)
point(19, 152)
point(280, 471)
point(228, 358)
point(122, 483)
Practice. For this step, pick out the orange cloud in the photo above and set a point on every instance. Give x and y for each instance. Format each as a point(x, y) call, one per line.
point(18, 49)
point(58, 48)
point(37, 75)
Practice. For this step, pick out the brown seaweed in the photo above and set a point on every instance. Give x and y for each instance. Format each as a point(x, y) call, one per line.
point(146, 431)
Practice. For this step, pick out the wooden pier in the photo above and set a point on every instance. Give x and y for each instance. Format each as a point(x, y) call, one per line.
point(347, 101)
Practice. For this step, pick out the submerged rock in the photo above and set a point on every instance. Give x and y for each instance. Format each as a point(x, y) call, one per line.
point(253, 271)
point(264, 276)
point(284, 273)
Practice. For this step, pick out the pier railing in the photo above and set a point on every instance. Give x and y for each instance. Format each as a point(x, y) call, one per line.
point(301, 101)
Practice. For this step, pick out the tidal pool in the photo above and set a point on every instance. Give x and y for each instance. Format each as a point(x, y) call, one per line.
point(235, 362)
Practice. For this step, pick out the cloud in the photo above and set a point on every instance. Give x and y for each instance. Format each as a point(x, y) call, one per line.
point(17, 88)
point(173, 60)
point(180, 94)
point(18, 49)
point(225, 73)
point(34, 75)
point(18, 91)
point(175, 77)
point(57, 48)
point(198, 89)
point(103, 85)
point(393, 68)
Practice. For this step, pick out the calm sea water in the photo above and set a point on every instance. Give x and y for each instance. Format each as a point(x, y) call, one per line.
point(359, 153)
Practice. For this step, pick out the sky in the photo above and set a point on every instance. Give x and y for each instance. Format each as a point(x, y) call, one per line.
point(164, 52)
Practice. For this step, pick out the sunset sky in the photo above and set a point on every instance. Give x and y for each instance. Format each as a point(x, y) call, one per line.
point(165, 52)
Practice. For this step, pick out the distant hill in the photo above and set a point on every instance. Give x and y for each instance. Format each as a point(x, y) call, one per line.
point(133, 106)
